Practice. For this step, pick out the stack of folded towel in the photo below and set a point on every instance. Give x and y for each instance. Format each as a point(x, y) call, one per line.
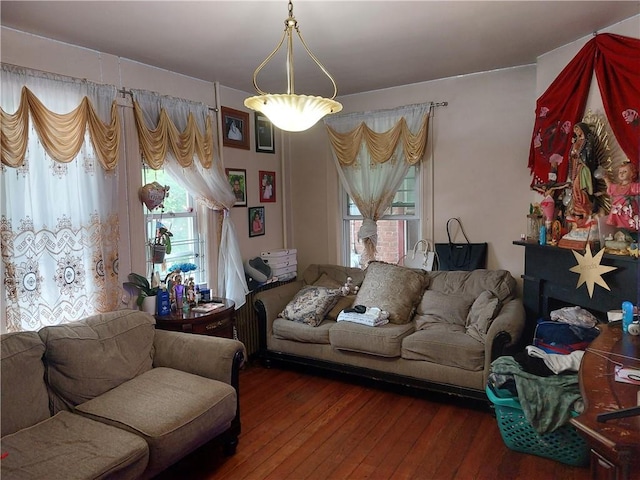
point(373, 317)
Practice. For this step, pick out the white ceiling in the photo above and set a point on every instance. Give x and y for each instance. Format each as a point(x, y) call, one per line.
point(366, 45)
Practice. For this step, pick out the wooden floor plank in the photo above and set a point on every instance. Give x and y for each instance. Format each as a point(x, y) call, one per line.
point(300, 426)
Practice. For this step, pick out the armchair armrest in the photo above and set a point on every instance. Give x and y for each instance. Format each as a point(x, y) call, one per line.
point(505, 331)
point(269, 303)
point(212, 357)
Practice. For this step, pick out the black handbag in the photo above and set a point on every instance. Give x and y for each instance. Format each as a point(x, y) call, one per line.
point(461, 256)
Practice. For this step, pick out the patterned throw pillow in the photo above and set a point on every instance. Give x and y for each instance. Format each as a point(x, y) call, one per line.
point(310, 305)
point(392, 288)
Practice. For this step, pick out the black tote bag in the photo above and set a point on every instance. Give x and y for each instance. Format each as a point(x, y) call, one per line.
point(461, 256)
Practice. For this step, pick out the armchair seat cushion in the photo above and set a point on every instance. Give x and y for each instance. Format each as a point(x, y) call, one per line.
point(384, 341)
point(301, 332)
point(444, 344)
point(172, 410)
point(68, 446)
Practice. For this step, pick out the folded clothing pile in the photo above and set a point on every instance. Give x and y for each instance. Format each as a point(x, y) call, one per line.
point(544, 376)
point(372, 316)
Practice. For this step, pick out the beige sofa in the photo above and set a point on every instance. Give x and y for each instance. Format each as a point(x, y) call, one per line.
point(112, 397)
point(449, 326)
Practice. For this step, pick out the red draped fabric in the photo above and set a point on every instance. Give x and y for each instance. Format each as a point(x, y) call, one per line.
point(616, 60)
point(618, 73)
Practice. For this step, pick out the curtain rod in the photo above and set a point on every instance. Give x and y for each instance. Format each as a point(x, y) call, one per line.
point(124, 92)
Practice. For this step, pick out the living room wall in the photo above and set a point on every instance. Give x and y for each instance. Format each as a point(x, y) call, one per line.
point(479, 152)
point(475, 167)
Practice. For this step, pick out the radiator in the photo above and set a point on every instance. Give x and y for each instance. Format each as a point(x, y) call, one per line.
point(247, 319)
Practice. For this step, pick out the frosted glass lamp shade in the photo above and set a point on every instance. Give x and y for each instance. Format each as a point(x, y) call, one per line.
point(293, 113)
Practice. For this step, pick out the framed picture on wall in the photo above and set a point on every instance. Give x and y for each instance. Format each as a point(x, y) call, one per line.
point(235, 126)
point(265, 137)
point(238, 181)
point(256, 221)
point(267, 182)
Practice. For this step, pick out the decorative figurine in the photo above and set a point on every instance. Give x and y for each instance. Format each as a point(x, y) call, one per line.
point(178, 292)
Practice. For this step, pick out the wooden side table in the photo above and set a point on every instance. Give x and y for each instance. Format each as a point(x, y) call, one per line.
point(615, 444)
point(218, 323)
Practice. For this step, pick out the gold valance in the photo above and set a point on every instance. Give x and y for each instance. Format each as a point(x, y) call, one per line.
point(380, 145)
point(62, 135)
point(155, 142)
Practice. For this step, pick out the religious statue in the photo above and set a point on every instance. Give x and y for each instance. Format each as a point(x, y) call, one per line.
point(624, 201)
point(582, 166)
point(191, 292)
point(624, 209)
point(177, 291)
point(583, 196)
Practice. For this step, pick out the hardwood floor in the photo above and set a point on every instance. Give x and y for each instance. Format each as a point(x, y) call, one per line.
point(297, 425)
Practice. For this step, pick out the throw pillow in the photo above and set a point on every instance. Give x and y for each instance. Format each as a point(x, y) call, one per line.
point(438, 307)
point(392, 288)
point(328, 282)
point(342, 303)
point(310, 305)
point(484, 309)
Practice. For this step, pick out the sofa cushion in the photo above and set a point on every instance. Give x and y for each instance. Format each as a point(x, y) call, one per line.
point(328, 282)
point(438, 307)
point(310, 305)
point(336, 272)
point(384, 341)
point(22, 375)
point(300, 332)
point(68, 446)
point(392, 288)
point(342, 303)
point(174, 411)
point(91, 356)
point(500, 282)
point(444, 344)
point(482, 312)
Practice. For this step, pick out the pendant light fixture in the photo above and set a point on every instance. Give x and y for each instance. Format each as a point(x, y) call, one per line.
point(289, 111)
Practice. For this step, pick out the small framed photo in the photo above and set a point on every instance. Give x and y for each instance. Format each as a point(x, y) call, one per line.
point(256, 221)
point(235, 126)
point(238, 181)
point(265, 138)
point(267, 182)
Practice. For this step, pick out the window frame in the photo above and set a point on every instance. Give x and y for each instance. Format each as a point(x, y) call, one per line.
point(196, 255)
point(415, 217)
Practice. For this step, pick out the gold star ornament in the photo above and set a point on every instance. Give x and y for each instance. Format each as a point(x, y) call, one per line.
point(590, 269)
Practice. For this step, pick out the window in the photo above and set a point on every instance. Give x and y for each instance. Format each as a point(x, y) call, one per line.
point(398, 229)
point(179, 216)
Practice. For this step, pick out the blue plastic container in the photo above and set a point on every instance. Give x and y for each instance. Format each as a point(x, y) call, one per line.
point(163, 306)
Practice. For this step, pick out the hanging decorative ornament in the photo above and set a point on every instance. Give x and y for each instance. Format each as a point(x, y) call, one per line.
point(153, 194)
point(590, 269)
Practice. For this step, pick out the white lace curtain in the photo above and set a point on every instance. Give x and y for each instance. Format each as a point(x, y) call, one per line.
point(179, 136)
point(59, 225)
point(373, 152)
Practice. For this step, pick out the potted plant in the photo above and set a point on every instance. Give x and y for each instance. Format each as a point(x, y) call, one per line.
point(146, 293)
point(161, 245)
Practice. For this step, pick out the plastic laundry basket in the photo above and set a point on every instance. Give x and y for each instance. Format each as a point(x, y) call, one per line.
point(563, 444)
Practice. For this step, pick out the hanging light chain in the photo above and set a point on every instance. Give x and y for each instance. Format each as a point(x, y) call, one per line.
point(290, 24)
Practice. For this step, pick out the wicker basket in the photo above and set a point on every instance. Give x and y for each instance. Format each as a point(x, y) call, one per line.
point(563, 444)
